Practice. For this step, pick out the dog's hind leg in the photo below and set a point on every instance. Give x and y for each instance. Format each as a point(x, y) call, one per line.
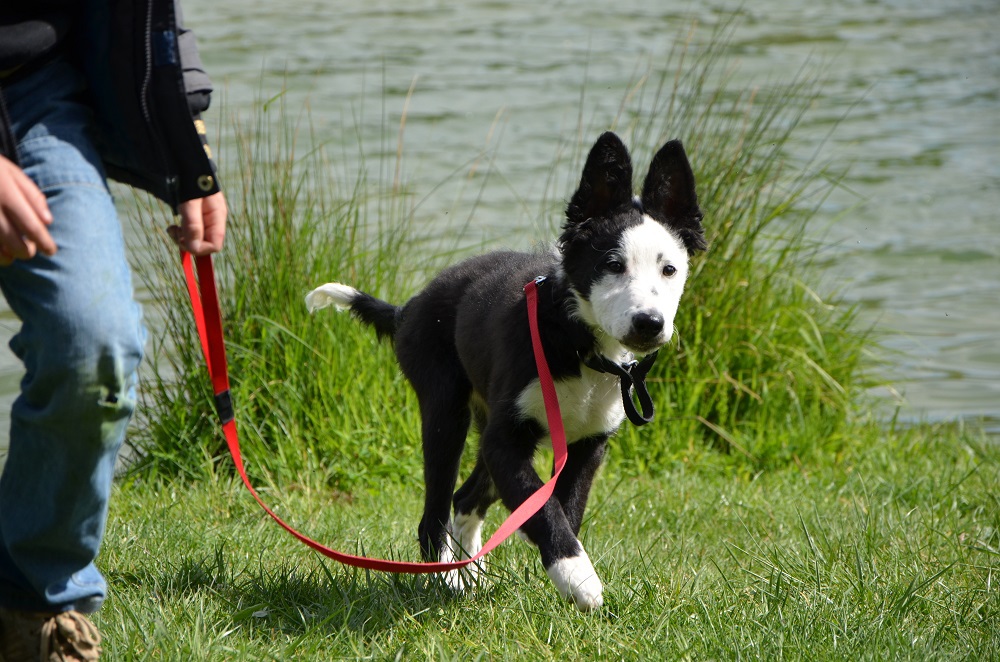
point(445, 425)
point(472, 500)
point(426, 352)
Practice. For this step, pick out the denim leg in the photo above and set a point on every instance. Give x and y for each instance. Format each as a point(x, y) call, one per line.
point(81, 341)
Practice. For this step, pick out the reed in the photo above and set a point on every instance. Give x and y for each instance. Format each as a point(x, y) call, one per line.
point(306, 391)
point(766, 366)
point(766, 370)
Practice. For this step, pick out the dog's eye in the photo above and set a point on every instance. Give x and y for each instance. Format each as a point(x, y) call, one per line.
point(614, 266)
point(669, 270)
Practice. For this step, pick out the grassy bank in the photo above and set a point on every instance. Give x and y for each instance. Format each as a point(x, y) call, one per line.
point(891, 553)
point(760, 516)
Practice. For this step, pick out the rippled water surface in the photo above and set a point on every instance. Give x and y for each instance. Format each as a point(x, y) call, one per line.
point(911, 95)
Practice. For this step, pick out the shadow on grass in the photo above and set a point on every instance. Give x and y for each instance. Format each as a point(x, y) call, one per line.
point(284, 597)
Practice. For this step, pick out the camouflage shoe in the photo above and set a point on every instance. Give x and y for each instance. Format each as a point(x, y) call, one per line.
point(67, 636)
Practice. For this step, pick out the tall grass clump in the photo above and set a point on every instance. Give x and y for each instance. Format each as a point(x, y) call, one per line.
point(764, 367)
point(306, 390)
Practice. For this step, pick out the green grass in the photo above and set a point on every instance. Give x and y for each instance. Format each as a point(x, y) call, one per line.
point(891, 553)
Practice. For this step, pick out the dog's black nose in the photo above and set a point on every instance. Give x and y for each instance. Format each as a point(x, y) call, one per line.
point(647, 325)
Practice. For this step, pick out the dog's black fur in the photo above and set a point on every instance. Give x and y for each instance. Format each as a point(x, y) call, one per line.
point(463, 343)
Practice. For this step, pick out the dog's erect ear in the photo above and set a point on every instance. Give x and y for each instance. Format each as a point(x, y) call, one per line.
point(606, 183)
point(668, 195)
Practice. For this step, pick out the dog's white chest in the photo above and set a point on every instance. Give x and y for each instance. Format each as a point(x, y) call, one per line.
point(590, 404)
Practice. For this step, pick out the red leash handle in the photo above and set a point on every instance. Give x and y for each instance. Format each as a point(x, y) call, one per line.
point(208, 319)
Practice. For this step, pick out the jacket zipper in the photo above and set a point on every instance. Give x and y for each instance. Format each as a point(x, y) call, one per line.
point(170, 181)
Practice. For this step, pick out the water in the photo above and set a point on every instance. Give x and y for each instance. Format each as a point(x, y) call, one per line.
point(913, 236)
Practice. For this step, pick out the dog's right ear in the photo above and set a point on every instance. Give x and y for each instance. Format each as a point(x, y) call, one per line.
point(606, 183)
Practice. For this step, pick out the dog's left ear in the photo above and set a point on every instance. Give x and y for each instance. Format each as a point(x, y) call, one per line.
point(668, 195)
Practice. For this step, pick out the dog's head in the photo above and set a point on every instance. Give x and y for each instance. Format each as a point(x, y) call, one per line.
point(625, 257)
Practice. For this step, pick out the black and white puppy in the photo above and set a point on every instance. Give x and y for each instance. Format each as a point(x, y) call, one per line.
point(612, 289)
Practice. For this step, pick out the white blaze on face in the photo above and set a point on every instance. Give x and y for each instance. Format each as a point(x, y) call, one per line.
point(646, 251)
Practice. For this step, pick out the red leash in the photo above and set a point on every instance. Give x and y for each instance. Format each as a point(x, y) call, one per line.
point(208, 318)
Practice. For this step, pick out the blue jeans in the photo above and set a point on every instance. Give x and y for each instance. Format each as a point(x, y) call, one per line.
point(81, 341)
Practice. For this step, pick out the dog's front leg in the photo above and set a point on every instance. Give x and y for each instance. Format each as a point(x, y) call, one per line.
point(573, 488)
point(507, 451)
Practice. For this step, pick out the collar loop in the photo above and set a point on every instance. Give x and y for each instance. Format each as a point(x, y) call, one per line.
point(632, 376)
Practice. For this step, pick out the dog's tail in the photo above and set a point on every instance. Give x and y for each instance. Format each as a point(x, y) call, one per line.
point(381, 315)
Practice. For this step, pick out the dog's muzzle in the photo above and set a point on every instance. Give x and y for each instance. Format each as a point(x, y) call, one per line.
point(646, 333)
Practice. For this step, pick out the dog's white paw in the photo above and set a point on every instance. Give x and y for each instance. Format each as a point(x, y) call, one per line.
point(331, 294)
point(576, 580)
point(467, 533)
point(456, 580)
point(463, 541)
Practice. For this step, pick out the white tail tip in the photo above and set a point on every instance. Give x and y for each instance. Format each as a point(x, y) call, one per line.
point(331, 294)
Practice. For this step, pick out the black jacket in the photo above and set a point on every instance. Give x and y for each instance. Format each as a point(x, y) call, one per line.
point(147, 89)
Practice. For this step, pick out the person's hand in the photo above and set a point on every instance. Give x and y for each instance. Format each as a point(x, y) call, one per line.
point(203, 225)
point(24, 216)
